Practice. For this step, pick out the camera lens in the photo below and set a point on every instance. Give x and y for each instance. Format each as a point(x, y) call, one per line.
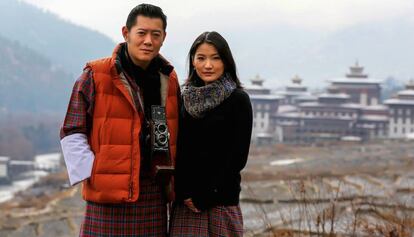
point(162, 139)
point(162, 128)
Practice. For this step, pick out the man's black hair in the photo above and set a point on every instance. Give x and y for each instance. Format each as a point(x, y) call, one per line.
point(146, 10)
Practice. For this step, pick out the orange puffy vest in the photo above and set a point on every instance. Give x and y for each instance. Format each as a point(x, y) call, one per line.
point(114, 137)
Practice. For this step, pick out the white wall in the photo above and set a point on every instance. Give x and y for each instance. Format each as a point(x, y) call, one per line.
point(3, 170)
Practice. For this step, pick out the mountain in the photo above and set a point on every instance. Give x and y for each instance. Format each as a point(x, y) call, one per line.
point(66, 45)
point(276, 51)
point(391, 87)
point(29, 82)
point(41, 56)
point(279, 52)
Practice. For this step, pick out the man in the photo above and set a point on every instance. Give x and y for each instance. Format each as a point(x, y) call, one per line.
point(104, 137)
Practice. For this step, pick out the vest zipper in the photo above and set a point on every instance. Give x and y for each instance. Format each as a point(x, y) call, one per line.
point(131, 181)
point(130, 190)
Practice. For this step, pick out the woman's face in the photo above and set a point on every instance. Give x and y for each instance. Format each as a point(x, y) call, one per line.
point(207, 63)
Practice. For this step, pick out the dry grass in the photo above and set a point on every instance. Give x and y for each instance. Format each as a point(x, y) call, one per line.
point(366, 217)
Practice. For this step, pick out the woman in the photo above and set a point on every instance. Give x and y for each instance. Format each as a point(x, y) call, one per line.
point(213, 144)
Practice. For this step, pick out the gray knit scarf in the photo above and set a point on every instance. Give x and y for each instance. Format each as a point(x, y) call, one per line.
point(199, 100)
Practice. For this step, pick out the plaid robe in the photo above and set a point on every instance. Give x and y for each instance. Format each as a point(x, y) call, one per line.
point(218, 221)
point(146, 217)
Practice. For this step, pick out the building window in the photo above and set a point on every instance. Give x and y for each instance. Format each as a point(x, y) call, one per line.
point(395, 130)
point(403, 130)
point(391, 111)
point(408, 112)
point(259, 106)
point(263, 115)
point(267, 106)
point(262, 124)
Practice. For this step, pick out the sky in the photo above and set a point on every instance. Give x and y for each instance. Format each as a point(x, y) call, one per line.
point(191, 15)
point(188, 18)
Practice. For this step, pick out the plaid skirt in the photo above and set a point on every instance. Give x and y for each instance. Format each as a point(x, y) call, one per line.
point(220, 221)
point(146, 217)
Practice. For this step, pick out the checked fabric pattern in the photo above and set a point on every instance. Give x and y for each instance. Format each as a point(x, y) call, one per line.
point(220, 221)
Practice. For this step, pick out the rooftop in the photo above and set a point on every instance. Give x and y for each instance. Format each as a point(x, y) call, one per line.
point(4, 159)
point(395, 101)
point(265, 97)
point(347, 80)
point(48, 157)
point(375, 118)
point(406, 92)
point(337, 95)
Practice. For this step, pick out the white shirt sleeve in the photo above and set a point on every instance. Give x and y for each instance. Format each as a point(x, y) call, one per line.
point(78, 157)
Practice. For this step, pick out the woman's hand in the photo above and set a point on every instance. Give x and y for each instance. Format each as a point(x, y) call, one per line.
point(189, 203)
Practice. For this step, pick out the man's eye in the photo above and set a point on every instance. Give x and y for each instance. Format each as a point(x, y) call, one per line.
point(156, 34)
point(141, 33)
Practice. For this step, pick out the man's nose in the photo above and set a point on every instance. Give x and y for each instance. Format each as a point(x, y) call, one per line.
point(148, 39)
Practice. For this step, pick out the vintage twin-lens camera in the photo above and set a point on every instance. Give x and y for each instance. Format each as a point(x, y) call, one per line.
point(161, 164)
point(159, 129)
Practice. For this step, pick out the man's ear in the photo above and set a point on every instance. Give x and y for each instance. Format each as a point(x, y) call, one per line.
point(125, 33)
point(165, 36)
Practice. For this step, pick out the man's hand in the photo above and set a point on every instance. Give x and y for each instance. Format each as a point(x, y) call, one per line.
point(189, 203)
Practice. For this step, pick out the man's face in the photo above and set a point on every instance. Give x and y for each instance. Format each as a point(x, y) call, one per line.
point(144, 39)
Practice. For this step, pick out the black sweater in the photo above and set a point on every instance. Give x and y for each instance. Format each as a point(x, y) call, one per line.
point(212, 151)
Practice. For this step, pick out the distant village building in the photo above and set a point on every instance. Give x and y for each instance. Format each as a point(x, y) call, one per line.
point(362, 89)
point(256, 87)
point(328, 118)
point(4, 167)
point(17, 167)
point(374, 120)
point(48, 162)
point(295, 93)
point(264, 104)
point(333, 117)
point(350, 110)
point(401, 110)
